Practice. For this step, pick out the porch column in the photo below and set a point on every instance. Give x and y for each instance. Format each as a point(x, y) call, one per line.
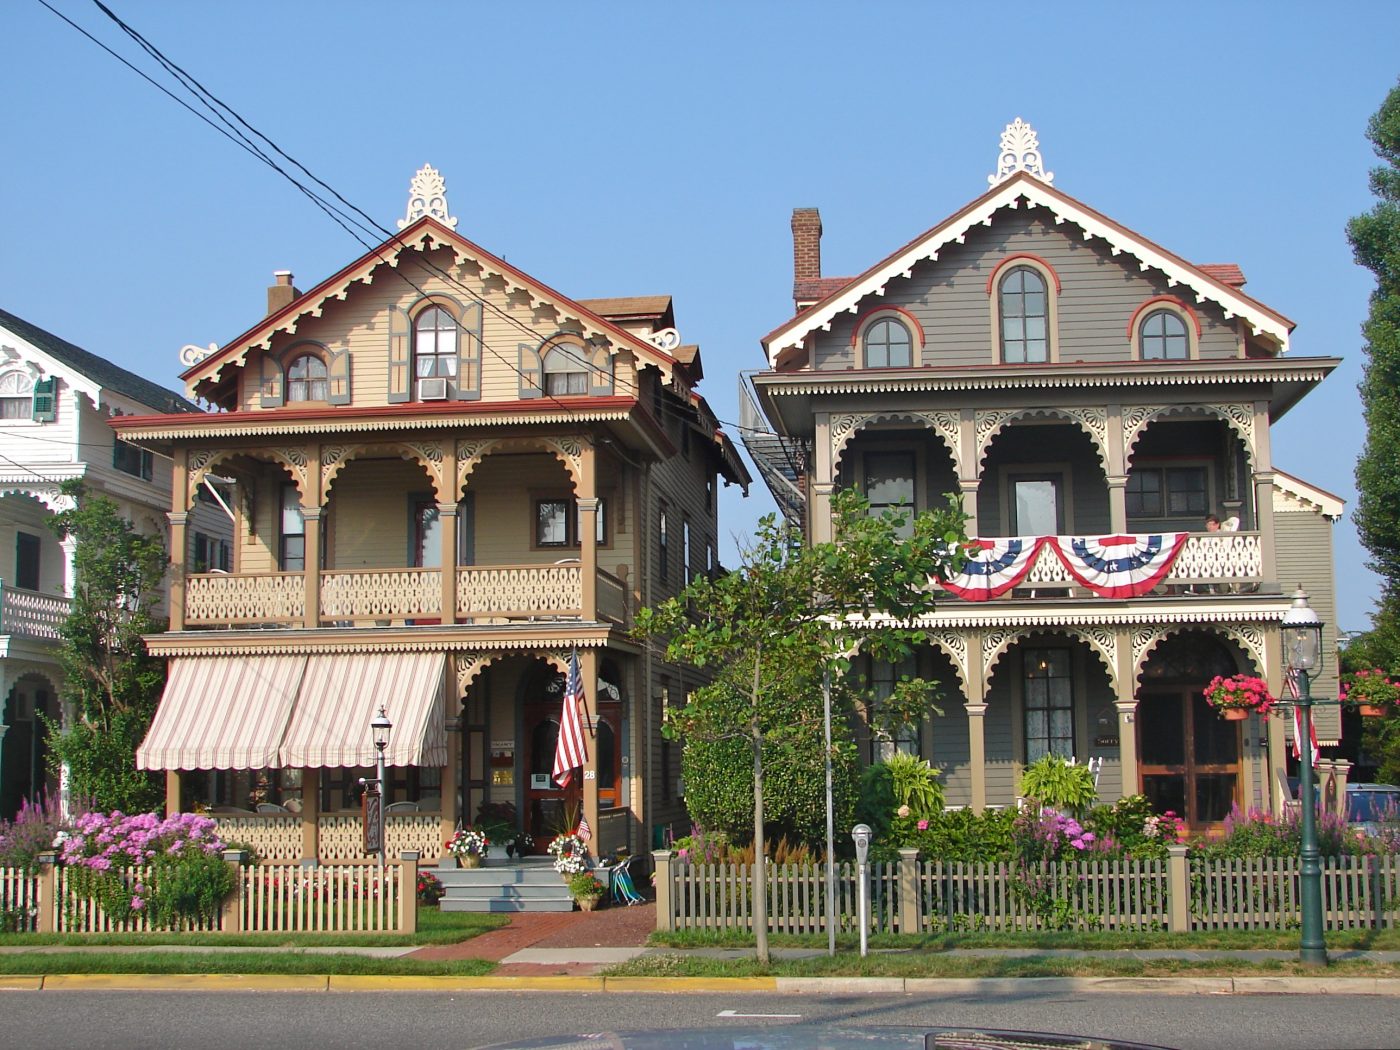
point(172, 791)
point(1263, 476)
point(823, 480)
point(178, 520)
point(588, 668)
point(587, 499)
point(179, 547)
point(310, 814)
point(977, 754)
point(1118, 503)
point(969, 487)
point(449, 779)
point(447, 524)
point(312, 569)
point(1127, 747)
point(69, 546)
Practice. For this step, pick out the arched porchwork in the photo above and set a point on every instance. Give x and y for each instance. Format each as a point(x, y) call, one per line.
point(1247, 637)
point(569, 452)
point(1240, 419)
point(1091, 420)
point(1101, 642)
point(49, 495)
point(945, 424)
point(953, 645)
point(293, 459)
point(427, 454)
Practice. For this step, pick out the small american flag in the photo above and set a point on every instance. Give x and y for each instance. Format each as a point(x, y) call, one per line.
point(1291, 681)
point(584, 832)
point(572, 750)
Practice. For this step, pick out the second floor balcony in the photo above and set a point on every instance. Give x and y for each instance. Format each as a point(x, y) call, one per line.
point(30, 614)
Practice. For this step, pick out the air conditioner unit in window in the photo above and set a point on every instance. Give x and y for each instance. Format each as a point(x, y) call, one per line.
point(432, 389)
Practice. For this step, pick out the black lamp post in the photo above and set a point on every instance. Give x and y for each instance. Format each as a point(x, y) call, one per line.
point(380, 726)
point(1302, 653)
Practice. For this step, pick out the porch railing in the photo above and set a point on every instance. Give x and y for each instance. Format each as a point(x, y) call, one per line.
point(278, 837)
point(29, 614)
point(520, 591)
point(380, 594)
point(243, 598)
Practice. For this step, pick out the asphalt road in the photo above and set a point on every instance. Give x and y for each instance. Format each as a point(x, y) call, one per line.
point(374, 1020)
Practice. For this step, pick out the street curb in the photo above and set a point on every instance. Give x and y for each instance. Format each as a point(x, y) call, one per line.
point(231, 982)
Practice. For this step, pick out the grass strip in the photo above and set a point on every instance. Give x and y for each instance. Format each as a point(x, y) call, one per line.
point(237, 962)
point(434, 927)
point(937, 965)
point(1204, 940)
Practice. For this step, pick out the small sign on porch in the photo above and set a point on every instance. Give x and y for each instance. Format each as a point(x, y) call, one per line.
point(1106, 741)
point(373, 821)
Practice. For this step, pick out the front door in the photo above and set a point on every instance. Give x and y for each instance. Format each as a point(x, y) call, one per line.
point(1188, 756)
point(546, 803)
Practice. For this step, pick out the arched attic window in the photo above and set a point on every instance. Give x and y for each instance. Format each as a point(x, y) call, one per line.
point(1024, 310)
point(565, 370)
point(434, 345)
point(1162, 336)
point(887, 344)
point(16, 396)
point(307, 379)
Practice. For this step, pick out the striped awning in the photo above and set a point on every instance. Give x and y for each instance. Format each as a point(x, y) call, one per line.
point(222, 712)
point(340, 695)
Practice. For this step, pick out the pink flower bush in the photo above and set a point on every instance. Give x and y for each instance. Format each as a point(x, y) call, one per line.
point(103, 841)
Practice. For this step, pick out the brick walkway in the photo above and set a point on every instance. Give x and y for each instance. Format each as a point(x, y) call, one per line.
point(616, 927)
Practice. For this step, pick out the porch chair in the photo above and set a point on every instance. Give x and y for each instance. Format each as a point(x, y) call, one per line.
point(624, 891)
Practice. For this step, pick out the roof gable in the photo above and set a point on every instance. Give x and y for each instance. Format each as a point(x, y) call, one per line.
point(99, 373)
point(425, 235)
point(1012, 193)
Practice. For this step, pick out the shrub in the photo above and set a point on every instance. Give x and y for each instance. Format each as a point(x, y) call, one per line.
point(1130, 828)
point(33, 831)
point(915, 785)
point(430, 889)
point(962, 835)
point(1059, 784)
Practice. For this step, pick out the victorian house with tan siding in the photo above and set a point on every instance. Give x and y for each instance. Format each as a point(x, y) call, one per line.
point(1090, 398)
point(445, 477)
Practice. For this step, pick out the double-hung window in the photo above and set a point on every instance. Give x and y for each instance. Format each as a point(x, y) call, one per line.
point(1049, 704)
point(1025, 317)
point(557, 523)
point(291, 542)
point(435, 344)
point(1167, 492)
point(889, 485)
point(138, 462)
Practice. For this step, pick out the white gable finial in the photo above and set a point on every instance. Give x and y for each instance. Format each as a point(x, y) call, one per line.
point(1019, 152)
point(427, 195)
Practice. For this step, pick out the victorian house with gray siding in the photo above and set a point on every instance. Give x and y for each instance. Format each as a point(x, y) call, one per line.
point(1087, 395)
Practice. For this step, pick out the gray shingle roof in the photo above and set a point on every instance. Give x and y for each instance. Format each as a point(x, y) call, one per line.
point(98, 369)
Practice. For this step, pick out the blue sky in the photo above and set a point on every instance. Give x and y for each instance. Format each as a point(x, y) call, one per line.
point(625, 149)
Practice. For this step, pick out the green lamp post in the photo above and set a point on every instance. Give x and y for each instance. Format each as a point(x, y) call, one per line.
point(1302, 653)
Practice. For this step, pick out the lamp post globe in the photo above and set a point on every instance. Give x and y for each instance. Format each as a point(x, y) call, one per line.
point(380, 728)
point(1301, 631)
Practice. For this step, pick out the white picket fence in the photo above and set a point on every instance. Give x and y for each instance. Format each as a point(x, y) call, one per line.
point(914, 896)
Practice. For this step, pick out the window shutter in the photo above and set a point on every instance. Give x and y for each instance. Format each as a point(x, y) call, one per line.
point(271, 386)
point(600, 373)
point(338, 377)
point(400, 356)
point(45, 400)
point(531, 372)
point(469, 354)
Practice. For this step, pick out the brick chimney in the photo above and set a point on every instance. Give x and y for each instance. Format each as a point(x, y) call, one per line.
point(282, 293)
point(806, 244)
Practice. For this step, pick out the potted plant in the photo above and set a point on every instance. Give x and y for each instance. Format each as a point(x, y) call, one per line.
point(586, 890)
point(520, 844)
point(1371, 692)
point(1234, 698)
point(469, 847)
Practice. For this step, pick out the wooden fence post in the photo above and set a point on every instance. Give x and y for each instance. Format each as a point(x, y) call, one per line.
point(232, 919)
point(48, 892)
point(661, 862)
point(408, 891)
point(1178, 890)
point(910, 920)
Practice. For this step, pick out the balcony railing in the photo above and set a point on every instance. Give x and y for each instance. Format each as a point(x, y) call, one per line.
point(1208, 563)
point(29, 614)
point(381, 597)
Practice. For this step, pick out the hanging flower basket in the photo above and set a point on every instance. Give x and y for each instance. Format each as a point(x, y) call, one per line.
point(1238, 696)
point(1371, 692)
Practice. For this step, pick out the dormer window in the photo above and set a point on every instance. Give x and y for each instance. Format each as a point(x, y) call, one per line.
point(1162, 337)
point(888, 344)
point(16, 396)
point(435, 344)
point(565, 370)
point(1025, 317)
point(307, 379)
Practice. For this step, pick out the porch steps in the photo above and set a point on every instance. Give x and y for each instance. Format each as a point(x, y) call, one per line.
point(505, 885)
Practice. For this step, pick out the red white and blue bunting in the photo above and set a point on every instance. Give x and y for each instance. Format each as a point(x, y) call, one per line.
point(993, 567)
point(1118, 566)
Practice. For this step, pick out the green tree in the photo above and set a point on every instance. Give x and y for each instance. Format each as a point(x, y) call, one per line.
point(1375, 240)
point(1378, 649)
point(770, 629)
point(111, 683)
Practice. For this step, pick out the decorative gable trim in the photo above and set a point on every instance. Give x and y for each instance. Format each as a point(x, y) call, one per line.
point(1306, 497)
point(1012, 193)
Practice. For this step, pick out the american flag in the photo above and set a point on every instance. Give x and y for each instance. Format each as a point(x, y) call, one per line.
point(1290, 680)
point(585, 830)
point(572, 750)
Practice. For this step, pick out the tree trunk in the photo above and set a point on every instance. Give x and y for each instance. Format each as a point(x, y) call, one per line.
point(760, 860)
